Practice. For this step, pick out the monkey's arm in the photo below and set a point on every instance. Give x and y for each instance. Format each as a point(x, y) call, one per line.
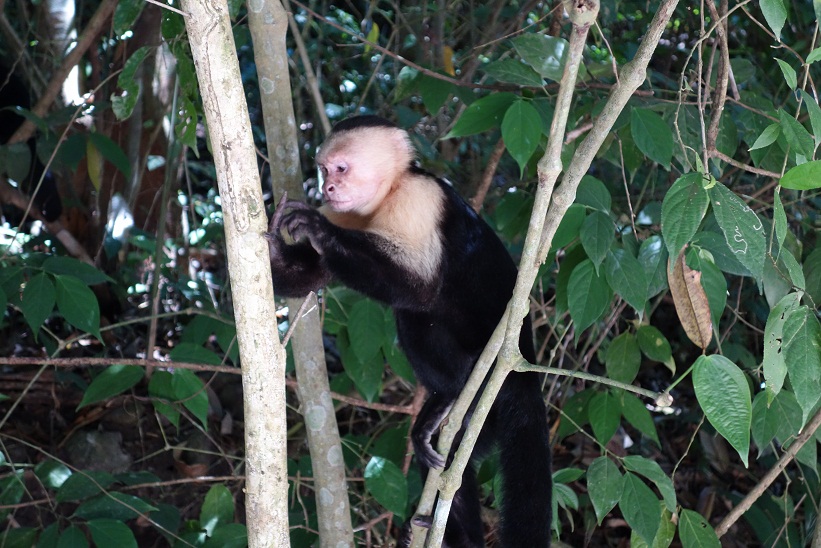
point(430, 417)
point(360, 260)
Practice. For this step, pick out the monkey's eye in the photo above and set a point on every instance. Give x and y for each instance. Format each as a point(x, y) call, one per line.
point(341, 168)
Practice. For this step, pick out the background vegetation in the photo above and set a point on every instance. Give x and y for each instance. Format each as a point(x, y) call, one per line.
point(689, 265)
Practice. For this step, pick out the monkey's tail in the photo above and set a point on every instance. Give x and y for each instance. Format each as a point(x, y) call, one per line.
point(524, 442)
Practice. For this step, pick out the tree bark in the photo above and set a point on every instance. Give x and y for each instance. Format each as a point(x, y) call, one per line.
point(262, 355)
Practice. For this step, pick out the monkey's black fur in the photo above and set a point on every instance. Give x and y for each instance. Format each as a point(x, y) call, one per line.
point(443, 325)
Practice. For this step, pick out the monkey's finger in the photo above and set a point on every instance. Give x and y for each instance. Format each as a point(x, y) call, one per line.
point(429, 457)
point(276, 218)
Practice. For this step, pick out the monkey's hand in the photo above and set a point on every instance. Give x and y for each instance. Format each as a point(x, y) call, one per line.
point(306, 222)
point(425, 452)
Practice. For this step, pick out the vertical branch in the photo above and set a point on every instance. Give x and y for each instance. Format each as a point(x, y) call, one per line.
point(268, 21)
point(262, 355)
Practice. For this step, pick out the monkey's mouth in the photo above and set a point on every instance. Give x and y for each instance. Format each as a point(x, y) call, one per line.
point(337, 205)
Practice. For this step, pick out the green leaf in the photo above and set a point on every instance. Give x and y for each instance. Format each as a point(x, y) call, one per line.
point(434, 92)
point(815, 55)
point(84, 272)
point(83, 485)
point(514, 71)
point(366, 375)
point(775, 366)
point(217, 508)
point(653, 259)
point(594, 194)
point(636, 413)
point(724, 395)
point(162, 396)
point(366, 327)
point(545, 53)
point(111, 532)
point(114, 380)
point(385, 481)
point(776, 15)
point(652, 471)
point(52, 473)
point(815, 114)
point(597, 235)
point(652, 135)
point(125, 15)
point(767, 137)
point(588, 295)
point(604, 413)
point(694, 530)
point(72, 537)
point(802, 353)
point(623, 358)
point(655, 345)
point(112, 152)
point(569, 227)
point(780, 418)
point(483, 114)
point(779, 219)
point(682, 210)
point(807, 176)
point(194, 353)
point(796, 134)
point(230, 535)
point(190, 390)
point(789, 74)
point(626, 276)
point(604, 485)
point(521, 131)
point(38, 301)
point(78, 304)
point(812, 274)
point(118, 506)
point(640, 507)
point(20, 537)
point(743, 230)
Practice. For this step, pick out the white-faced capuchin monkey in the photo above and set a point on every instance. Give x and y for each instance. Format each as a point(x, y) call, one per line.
point(402, 236)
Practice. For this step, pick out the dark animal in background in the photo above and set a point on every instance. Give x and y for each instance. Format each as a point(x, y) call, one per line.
point(13, 93)
point(400, 235)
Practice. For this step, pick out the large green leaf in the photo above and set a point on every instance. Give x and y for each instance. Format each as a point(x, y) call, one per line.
point(724, 395)
point(587, 295)
point(594, 194)
point(366, 328)
point(814, 112)
point(635, 412)
point(483, 114)
point(604, 485)
point(807, 176)
point(597, 235)
point(217, 508)
point(626, 276)
point(118, 506)
point(623, 358)
point(385, 481)
point(799, 139)
point(652, 135)
point(640, 507)
point(189, 389)
point(78, 304)
point(774, 366)
point(696, 532)
point(653, 259)
point(682, 210)
point(545, 53)
point(743, 230)
point(802, 352)
point(652, 471)
point(522, 130)
point(655, 345)
point(514, 71)
point(38, 301)
point(775, 14)
point(113, 380)
point(111, 532)
point(604, 413)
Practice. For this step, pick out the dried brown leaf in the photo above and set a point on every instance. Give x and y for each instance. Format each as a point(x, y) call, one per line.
point(691, 302)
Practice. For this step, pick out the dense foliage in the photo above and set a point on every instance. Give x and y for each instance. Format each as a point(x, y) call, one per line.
point(689, 266)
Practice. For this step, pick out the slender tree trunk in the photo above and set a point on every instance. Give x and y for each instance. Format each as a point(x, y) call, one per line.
point(262, 355)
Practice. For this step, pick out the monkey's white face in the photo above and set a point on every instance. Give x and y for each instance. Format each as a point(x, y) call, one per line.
point(357, 170)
